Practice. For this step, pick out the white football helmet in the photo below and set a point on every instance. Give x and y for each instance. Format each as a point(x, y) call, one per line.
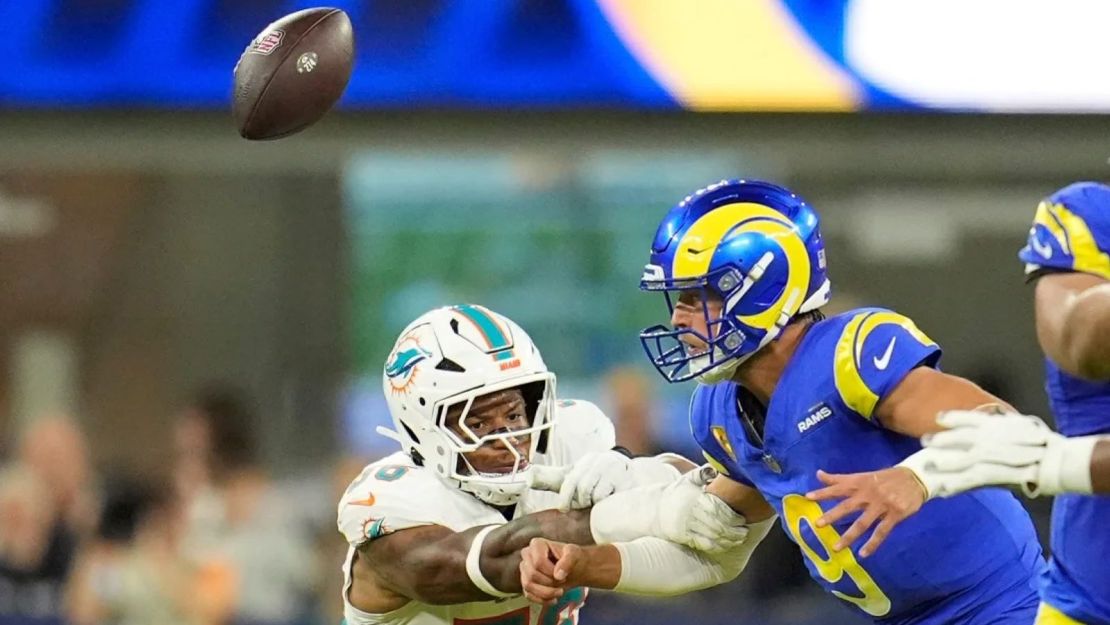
point(451, 356)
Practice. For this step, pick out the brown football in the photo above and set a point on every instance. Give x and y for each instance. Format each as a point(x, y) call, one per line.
point(292, 73)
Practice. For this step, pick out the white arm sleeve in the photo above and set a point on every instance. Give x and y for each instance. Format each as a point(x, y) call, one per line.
point(650, 566)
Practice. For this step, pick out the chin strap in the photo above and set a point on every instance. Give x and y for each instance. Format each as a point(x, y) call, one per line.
point(390, 434)
point(725, 370)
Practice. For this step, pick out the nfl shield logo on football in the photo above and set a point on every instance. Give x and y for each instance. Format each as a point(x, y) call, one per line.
point(267, 43)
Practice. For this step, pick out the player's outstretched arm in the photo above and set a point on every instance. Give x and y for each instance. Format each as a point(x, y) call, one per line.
point(649, 565)
point(1012, 450)
point(645, 566)
point(1073, 323)
point(430, 563)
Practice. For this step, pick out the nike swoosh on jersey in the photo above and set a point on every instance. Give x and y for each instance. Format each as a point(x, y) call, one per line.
point(881, 363)
point(369, 501)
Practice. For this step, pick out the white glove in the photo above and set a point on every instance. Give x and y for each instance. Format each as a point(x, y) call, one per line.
point(981, 449)
point(595, 477)
point(679, 511)
point(599, 475)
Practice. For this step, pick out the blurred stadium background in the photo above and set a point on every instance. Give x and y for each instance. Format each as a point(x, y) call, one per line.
point(187, 313)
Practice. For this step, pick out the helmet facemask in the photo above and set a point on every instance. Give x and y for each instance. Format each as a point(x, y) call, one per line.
point(675, 358)
point(727, 345)
point(504, 486)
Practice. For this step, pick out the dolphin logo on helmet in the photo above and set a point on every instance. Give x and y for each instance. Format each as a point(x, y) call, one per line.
point(401, 369)
point(754, 243)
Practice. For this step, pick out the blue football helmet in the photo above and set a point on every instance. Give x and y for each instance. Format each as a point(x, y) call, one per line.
point(755, 244)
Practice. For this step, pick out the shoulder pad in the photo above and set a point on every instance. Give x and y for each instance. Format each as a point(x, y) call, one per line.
point(393, 494)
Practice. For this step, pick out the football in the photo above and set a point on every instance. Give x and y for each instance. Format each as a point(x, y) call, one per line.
point(292, 73)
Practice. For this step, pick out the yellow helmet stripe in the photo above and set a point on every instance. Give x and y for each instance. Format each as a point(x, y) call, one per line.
point(1046, 218)
point(1088, 257)
point(798, 271)
point(695, 249)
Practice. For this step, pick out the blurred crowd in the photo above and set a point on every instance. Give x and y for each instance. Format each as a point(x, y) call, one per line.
point(213, 542)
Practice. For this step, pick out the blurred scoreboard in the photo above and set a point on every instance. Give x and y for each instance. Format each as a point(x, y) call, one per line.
point(727, 55)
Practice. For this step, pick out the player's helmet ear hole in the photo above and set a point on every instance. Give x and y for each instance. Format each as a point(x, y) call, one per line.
point(411, 434)
point(417, 459)
point(421, 400)
point(533, 395)
point(450, 365)
point(455, 326)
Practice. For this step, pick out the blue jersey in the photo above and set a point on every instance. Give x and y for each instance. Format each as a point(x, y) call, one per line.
point(973, 558)
point(1071, 232)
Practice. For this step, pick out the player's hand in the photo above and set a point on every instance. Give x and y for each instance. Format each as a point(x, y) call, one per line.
point(884, 498)
point(548, 478)
point(980, 449)
point(547, 569)
point(595, 477)
point(599, 475)
point(702, 521)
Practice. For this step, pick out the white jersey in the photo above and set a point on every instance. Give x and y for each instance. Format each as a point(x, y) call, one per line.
point(394, 494)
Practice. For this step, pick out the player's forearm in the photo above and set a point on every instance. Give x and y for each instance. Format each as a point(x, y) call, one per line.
point(500, 561)
point(425, 567)
point(650, 566)
point(600, 568)
point(1085, 335)
point(567, 527)
point(912, 408)
point(435, 571)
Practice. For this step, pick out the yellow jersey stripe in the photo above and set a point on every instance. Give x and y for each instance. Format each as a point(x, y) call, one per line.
point(1048, 615)
point(847, 377)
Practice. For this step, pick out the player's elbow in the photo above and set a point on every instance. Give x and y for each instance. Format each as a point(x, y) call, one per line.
point(729, 571)
point(1091, 362)
point(1089, 350)
point(1085, 335)
point(1086, 343)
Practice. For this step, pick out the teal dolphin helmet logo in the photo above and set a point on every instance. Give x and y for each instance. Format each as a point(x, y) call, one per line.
point(404, 361)
point(401, 368)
